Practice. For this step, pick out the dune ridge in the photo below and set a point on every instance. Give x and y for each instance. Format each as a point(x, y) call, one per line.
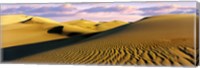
point(167, 40)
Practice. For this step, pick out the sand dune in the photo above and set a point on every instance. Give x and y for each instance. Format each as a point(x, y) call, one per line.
point(161, 40)
point(22, 29)
point(16, 31)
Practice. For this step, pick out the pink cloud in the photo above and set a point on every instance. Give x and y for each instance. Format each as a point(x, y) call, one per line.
point(167, 9)
point(42, 10)
point(117, 9)
point(97, 13)
point(101, 16)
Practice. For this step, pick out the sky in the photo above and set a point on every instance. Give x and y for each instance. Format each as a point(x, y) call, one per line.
point(124, 11)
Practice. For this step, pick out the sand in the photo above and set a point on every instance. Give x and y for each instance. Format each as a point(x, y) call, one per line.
point(159, 40)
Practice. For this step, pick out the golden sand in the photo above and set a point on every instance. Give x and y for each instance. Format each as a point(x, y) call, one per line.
point(161, 40)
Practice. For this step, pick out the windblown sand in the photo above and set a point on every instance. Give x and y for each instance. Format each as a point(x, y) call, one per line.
point(159, 40)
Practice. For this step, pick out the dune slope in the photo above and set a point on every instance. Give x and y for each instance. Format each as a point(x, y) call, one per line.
point(161, 40)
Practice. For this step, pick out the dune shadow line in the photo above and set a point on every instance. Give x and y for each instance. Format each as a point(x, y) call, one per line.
point(20, 51)
point(16, 52)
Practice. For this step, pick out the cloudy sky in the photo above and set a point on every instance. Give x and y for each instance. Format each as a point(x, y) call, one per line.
point(125, 11)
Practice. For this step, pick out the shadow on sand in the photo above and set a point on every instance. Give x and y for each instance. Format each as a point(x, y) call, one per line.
point(13, 53)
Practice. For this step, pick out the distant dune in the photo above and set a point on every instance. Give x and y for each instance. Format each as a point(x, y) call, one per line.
point(82, 23)
point(80, 26)
point(92, 27)
point(158, 40)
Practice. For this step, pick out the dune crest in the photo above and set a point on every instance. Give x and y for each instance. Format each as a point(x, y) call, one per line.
point(11, 19)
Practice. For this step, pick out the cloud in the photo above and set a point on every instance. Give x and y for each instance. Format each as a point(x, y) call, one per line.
point(61, 10)
point(117, 9)
point(68, 11)
point(101, 16)
point(167, 9)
